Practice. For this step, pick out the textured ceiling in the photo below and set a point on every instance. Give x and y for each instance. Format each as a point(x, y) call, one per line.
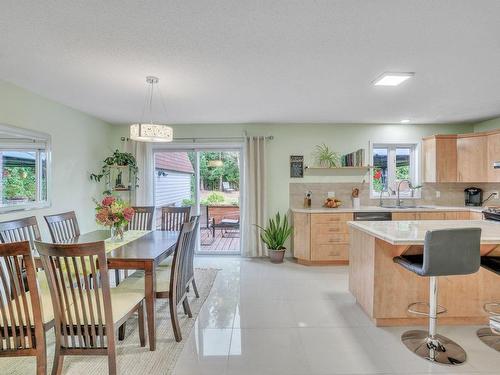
point(231, 61)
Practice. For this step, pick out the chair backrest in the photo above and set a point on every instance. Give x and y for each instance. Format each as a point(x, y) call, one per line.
point(452, 252)
point(142, 219)
point(172, 218)
point(179, 276)
point(82, 310)
point(21, 324)
point(195, 220)
point(63, 227)
point(19, 230)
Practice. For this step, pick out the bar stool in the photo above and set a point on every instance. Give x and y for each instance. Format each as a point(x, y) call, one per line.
point(446, 252)
point(491, 335)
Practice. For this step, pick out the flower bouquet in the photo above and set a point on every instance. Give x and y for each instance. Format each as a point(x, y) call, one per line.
point(114, 213)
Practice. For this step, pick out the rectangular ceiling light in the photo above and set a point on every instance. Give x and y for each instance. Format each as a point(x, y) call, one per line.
point(392, 79)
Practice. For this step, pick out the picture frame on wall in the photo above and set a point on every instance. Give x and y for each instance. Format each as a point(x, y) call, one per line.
point(296, 166)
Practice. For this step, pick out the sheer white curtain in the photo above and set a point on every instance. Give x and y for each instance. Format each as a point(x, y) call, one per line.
point(143, 155)
point(255, 196)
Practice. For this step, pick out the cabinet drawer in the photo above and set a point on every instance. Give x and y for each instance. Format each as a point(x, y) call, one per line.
point(330, 238)
point(330, 252)
point(329, 218)
point(333, 227)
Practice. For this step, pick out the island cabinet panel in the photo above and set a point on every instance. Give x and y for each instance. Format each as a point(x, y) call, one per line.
point(472, 151)
point(322, 238)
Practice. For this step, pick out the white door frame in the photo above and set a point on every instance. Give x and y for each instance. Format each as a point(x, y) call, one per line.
point(197, 148)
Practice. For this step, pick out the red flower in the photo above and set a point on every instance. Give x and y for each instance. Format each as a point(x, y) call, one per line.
point(128, 213)
point(377, 175)
point(108, 201)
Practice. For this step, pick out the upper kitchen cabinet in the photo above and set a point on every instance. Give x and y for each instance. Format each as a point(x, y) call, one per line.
point(461, 157)
point(493, 156)
point(472, 157)
point(440, 158)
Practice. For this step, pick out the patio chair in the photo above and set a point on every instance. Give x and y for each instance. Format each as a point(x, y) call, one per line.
point(228, 222)
point(226, 187)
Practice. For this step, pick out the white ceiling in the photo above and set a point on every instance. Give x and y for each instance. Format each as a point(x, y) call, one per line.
point(230, 61)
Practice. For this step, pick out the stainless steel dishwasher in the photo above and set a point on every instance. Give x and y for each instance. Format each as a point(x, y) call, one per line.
point(373, 216)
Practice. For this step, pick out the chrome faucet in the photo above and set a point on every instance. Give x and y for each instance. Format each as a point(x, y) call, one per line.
point(399, 202)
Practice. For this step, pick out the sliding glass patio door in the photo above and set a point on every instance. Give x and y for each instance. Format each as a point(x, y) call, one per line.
point(208, 180)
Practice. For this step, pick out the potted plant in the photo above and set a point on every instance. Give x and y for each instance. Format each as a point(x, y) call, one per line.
point(118, 158)
point(274, 236)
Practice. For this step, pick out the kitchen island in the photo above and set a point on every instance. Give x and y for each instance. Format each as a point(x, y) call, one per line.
point(384, 290)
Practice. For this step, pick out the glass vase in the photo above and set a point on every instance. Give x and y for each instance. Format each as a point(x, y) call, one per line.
point(116, 233)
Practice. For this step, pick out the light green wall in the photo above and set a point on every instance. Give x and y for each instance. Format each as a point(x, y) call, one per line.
point(300, 139)
point(79, 143)
point(491, 124)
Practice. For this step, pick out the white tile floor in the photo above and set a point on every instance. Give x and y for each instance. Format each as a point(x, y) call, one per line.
point(262, 319)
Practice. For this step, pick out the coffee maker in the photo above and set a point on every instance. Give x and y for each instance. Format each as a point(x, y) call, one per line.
point(473, 196)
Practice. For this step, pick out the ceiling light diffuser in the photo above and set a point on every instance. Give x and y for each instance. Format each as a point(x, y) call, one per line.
point(392, 79)
point(405, 121)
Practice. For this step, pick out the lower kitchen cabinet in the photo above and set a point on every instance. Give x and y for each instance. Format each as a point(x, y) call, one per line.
point(323, 238)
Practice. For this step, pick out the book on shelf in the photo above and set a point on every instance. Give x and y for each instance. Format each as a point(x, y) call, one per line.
point(354, 159)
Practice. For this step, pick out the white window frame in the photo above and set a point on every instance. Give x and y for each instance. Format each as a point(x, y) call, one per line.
point(415, 167)
point(16, 139)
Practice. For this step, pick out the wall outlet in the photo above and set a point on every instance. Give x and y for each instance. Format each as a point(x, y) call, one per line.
point(438, 194)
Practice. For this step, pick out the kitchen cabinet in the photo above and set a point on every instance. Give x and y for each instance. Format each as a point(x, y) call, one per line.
point(472, 157)
point(440, 158)
point(397, 216)
point(476, 216)
point(321, 238)
point(493, 156)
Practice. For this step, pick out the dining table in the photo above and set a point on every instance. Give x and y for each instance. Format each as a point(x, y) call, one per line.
point(138, 252)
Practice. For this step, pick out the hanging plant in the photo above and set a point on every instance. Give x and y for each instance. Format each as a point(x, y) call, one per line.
point(121, 159)
point(325, 157)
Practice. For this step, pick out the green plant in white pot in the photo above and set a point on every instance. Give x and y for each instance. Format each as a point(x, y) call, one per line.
point(274, 235)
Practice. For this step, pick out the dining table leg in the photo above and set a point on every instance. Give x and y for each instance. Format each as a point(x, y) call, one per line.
point(150, 294)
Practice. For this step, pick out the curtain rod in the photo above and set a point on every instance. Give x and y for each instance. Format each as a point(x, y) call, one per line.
point(195, 139)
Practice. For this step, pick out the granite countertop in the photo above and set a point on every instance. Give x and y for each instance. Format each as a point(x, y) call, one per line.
point(422, 208)
point(413, 232)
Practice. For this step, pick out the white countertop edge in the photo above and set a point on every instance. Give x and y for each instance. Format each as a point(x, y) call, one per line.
point(364, 226)
point(427, 208)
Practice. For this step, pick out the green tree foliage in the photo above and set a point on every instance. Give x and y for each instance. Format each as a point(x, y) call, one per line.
point(19, 182)
point(212, 177)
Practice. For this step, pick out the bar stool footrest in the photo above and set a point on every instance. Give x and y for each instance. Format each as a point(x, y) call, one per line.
point(441, 309)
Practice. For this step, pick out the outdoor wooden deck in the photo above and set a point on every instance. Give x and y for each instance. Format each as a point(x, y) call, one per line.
point(229, 243)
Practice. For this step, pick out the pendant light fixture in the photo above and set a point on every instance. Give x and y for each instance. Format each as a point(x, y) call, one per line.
point(151, 132)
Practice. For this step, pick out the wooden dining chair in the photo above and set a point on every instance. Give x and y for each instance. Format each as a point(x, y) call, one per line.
point(19, 230)
point(142, 219)
point(25, 310)
point(192, 246)
point(63, 227)
point(86, 317)
point(171, 283)
point(172, 218)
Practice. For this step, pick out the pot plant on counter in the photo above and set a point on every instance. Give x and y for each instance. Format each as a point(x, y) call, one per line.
point(274, 235)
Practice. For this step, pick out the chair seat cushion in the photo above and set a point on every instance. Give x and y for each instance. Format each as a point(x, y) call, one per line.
point(413, 263)
point(136, 281)
point(122, 302)
point(491, 263)
point(46, 306)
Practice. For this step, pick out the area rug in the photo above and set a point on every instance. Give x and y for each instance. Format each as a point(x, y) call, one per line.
point(131, 358)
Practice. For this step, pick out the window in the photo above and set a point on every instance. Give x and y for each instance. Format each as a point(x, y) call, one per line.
point(393, 164)
point(25, 167)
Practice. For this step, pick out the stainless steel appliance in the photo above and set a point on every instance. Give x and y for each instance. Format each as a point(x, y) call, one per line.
point(373, 216)
point(473, 196)
point(492, 213)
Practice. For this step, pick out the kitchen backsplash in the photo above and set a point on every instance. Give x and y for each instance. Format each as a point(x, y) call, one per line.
point(451, 194)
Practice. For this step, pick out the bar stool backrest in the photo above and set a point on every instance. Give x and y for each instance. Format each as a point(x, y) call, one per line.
point(452, 252)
